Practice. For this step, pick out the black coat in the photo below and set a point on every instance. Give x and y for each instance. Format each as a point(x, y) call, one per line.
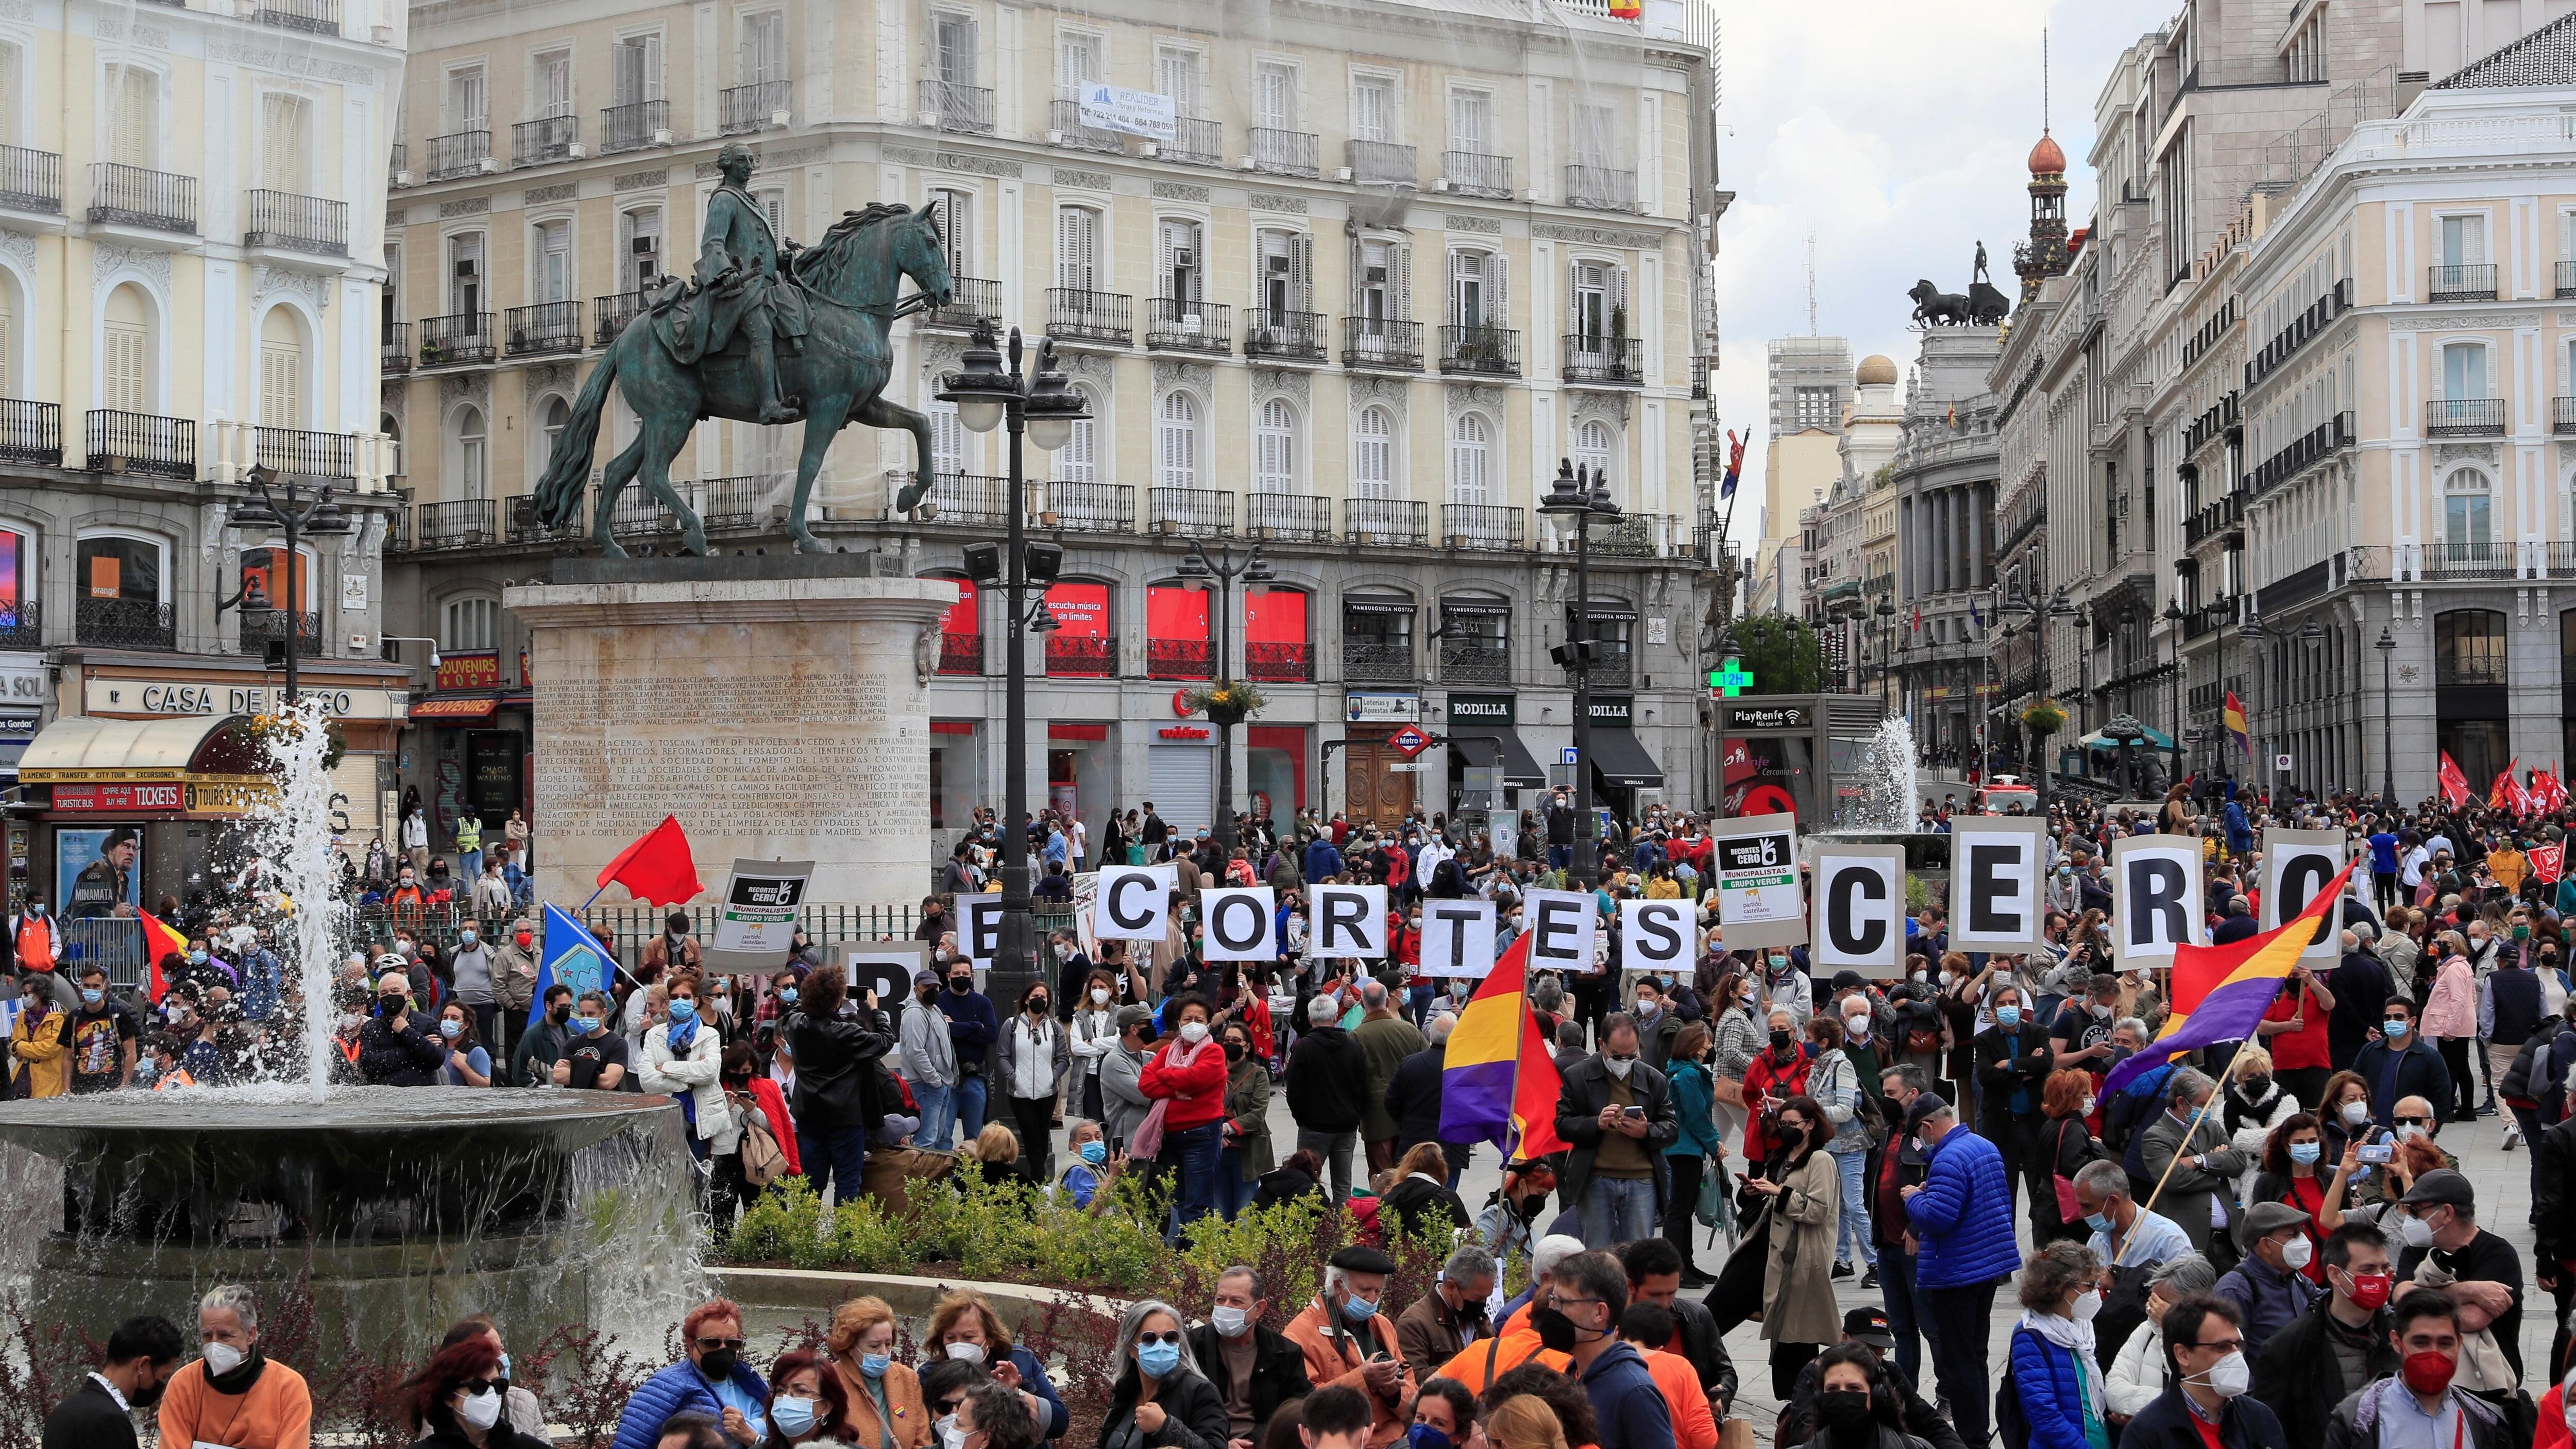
point(1194, 1414)
point(1280, 1184)
point(1278, 1372)
point(2296, 1377)
point(2167, 1424)
point(1579, 1100)
point(405, 1058)
point(1327, 1081)
point(1422, 1206)
point(2005, 1063)
point(1695, 1337)
point(1925, 1422)
point(836, 1069)
point(2553, 1195)
point(1413, 1097)
point(89, 1419)
point(499, 1436)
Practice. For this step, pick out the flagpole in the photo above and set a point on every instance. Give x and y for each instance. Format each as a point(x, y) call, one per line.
point(2174, 1161)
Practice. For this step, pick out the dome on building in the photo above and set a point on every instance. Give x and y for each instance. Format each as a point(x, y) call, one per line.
point(1875, 370)
point(2046, 159)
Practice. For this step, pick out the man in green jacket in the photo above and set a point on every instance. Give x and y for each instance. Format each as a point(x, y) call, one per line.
point(1385, 1039)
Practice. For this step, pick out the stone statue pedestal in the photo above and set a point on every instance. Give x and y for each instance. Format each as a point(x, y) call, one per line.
point(777, 705)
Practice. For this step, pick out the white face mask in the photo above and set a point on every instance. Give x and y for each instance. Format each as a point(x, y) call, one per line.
point(221, 1359)
point(950, 1436)
point(2089, 1104)
point(2415, 1232)
point(966, 1352)
point(1619, 1067)
point(2229, 1377)
point(481, 1409)
point(1229, 1321)
point(1100, 996)
point(2087, 1304)
point(2356, 1113)
point(1856, 1026)
point(2295, 1253)
point(1194, 1032)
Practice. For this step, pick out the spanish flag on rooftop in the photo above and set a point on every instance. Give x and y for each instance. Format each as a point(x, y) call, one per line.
point(1499, 1083)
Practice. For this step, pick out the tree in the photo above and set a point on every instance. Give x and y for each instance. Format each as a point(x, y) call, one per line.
point(1783, 655)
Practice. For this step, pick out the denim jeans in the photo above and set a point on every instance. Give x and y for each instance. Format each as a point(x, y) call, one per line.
point(1233, 1194)
point(1559, 856)
point(1852, 1234)
point(1336, 1149)
point(1958, 1321)
point(1192, 1155)
point(1418, 1001)
point(1617, 1210)
point(833, 1155)
point(469, 868)
point(938, 1116)
point(1896, 1290)
point(970, 1108)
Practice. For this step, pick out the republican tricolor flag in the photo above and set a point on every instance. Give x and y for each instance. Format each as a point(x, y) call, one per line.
point(2243, 977)
point(1499, 1083)
point(2234, 718)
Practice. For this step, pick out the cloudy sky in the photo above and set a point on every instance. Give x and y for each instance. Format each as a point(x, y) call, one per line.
point(1897, 131)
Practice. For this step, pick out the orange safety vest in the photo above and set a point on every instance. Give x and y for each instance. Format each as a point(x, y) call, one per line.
point(177, 1078)
point(36, 942)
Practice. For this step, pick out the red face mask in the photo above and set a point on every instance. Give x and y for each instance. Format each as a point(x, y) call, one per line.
point(2370, 1290)
point(2429, 1373)
point(525, 940)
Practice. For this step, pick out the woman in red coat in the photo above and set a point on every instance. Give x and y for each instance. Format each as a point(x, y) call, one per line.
point(1779, 1072)
point(1185, 1080)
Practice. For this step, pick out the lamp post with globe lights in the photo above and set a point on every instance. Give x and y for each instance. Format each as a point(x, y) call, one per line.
point(1581, 495)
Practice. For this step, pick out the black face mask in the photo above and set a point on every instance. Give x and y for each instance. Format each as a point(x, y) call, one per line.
point(1780, 1040)
point(391, 1005)
point(961, 984)
point(2255, 1087)
point(1843, 1408)
point(1556, 1332)
point(716, 1364)
point(559, 1015)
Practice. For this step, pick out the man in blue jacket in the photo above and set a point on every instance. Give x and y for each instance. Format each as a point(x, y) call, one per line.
point(2401, 1063)
point(713, 1380)
point(1586, 1294)
point(1962, 1223)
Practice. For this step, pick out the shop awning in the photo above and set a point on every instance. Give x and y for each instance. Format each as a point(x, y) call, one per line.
point(1622, 760)
point(89, 747)
point(1521, 770)
point(455, 708)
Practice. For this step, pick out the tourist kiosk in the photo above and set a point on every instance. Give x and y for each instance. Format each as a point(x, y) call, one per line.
point(1803, 752)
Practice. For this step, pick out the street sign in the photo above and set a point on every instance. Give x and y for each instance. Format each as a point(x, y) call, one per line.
point(2280, 762)
point(1409, 741)
point(1567, 756)
point(1560, 777)
point(1412, 767)
point(1730, 681)
point(1481, 779)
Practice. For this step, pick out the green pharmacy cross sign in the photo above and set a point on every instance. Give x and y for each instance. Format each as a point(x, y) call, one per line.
point(1730, 681)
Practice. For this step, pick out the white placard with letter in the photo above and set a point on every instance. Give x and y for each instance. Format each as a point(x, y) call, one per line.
point(1458, 938)
point(1238, 922)
point(2156, 900)
point(1657, 936)
point(1134, 902)
point(1346, 921)
point(979, 935)
point(2296, 865)
point(1755, 861)
point(1859, 916)
point(1995, 900)
point(1561, 925)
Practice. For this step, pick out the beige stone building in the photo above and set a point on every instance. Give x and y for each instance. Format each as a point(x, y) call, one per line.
point(1355, 281)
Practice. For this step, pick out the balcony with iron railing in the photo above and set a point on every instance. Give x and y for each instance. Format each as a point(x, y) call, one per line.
point(520, 518)
point(2453, 671)
point(31, 181)
point(738, 502)
point(124, 624)
point(1283, 336)
point(972, 302)
point(1283, 153)
point(260, 629)
point(1483, 526)
point(1081, 315)
point(1278, 662)
point(286, 221)
point(397, 162)
point(1075, 657)
point(456, 523)
point(132, 196)
point(457, 340)
point(1603, 361)
point(1084, 507)
point(756, 106)
point(2450, 562)
point(1186, 324)
point(1612, 666)
point(1382, 342)
point(640, 515)
point(2214, 421)
point(1601, 188)
point(547, 138)
point(2464, 417)
point(2203, 618)
point(140, 445)
point(1475, 660)
point(2303, 452)
point(1377, 661)
point(948, 106)
point(1195, 143)
point(2217, 518)
point(2566, 279)
point(1473, 173)
point(611, 314)
point(461, 153)
point(980, 499)
point(1065, 128)
point(2298, 332)
point(543, 327)
point(2210, 330)
point(1630, 535)
point(1489, 351)
point(1191, 512)
point(633, 126)
point(22, 625)
point(312, 17)
point(2460, 282)
point(1180, 659)
point(1290, 517)
point(1387, 522)
point(961, 653)
point(307, 454)
point(1380, 163)
point(31, 432)
point(2562, 415)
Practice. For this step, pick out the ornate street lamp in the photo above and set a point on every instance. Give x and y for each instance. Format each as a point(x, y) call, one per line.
point(1581, 495)
point(298, 517)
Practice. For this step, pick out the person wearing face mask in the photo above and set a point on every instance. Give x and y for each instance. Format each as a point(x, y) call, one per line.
point(2475, 1268)
point(1856, 1406)
point(468, 1064)
point(142, 1354)
point(963, 1326)
point(711, 1380)
point(1805, 1211)
point(2136, 1376)
point(1162, 1398)
point(973, 1027)
point(879, 1403)
point(1617, 1115)
point(2339, 1345)
point(2450, 1022)
point(1093, 1033)
point(1348, 1342)
point(1184, 1084)
point(2186, 1148)
point(2270, 1286)
point(1780, 1071)
point(102, 1033)
point(2426, 1400)
point(2013, 1060)
point(1784, 987)
point(1961, 1215)
point(543, 1040)
point(1254, 1369)
point(460, 1396)
point(683, 1059)
point(233, 1394)
point(806, 1400)
point(2254, 1106)
point(1030, 1061)
point(929, 1063)
point(2399, 1063)
point(1451, 1317)
point(394, 1048)
point(2056, 1375)
point(2205, 1401)
point(514, 984)
point(1577, 1313)
point(1657, 1024)
point(2294, 1171)
point(470, 971)
point(838, 1099)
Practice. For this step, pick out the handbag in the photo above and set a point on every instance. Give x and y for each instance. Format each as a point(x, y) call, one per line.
point(1726, 1089)
point(2068, 1210)
point(763, 1161)
point(1712, 1209)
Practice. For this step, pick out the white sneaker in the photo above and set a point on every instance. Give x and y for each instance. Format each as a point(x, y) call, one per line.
point(2512, 1135)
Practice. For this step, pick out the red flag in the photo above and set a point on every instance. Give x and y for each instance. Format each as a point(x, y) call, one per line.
point(2546, 862)
point(1918, 618)
point(657, 866)
point(2455, 786)
point(2506, 792)
point(2548, 792)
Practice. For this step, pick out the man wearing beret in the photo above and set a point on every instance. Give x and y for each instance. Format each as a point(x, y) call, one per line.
point(1347, 1341)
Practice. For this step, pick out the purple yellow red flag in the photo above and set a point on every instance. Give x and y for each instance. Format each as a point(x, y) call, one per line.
point(158, 941)
point(1499, 1082)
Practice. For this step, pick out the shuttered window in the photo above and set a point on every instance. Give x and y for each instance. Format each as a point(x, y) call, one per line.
point(1471, 122)
point(281, 371)
point(640, 248)
point(1077, 62)
point(763, 56)
point(1180, 260)
point(1469, 444)
point(1176, 74)
point(956, 228)
point(635, 72)
point(282, 146)
point(1372, 109)
point(1373, 455)
point(1078, 461)
point(465, 273)
point(553, 280)
point(1274, 98)
point(467, 107)
point(125, 353)
point(1275, 449)
point(1077, 247)
point(1176, 442)
point(133, 122)
point(554, 84)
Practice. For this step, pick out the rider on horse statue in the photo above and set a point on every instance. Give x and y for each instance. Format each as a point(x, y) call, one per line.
point(742, 287)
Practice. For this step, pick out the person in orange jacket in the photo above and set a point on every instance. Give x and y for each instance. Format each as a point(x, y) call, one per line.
point(1648, 1327)
point(1347, 1341)
point(37, 1049)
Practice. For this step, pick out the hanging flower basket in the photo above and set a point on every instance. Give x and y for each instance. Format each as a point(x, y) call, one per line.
point(2044, 718)
point(1226, 702)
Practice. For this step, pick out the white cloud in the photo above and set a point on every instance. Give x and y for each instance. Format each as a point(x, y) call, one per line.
point(1896, 131)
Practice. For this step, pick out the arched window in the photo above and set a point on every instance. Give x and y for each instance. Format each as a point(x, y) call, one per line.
point(1592, 448)
point(281, 370)
point(2468, 520)
point(1176, 442)
point(470, 626)
point(123, 592)
point(125, 352)
point(1274, 468)
point(12, 308)
point(391, 427)
point(1078, 461)
point(473, 455)
point(1373, 455)
point(1469, 461)
point(552, 419)
point(18, 579)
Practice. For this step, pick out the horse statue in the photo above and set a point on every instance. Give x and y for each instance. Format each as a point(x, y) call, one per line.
point(851, 279)
point(1936, 308)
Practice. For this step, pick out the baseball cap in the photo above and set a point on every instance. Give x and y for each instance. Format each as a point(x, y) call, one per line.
point(1924, 1106)
point(1869, 1326)
point(2441, 1188)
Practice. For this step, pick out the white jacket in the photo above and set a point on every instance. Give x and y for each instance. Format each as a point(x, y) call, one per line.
point(2137, 1376)
point(1095, 1034)
point(695, 1074)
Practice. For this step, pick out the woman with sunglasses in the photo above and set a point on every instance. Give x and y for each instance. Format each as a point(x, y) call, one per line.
point(1161, 1401)
point(459, 1396)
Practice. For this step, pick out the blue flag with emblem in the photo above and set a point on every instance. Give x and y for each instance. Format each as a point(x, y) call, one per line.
point(572, 957)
